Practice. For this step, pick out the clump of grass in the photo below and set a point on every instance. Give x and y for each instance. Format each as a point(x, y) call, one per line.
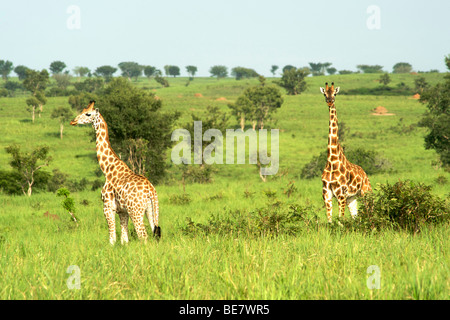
point(180, 199)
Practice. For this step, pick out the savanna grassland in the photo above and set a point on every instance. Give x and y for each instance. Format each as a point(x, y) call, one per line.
point(319, 262)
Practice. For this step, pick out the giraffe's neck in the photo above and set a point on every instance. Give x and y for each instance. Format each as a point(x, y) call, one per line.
point(334, 148)
point(105, 154)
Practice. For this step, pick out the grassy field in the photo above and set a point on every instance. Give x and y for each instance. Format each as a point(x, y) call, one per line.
point(316, 263)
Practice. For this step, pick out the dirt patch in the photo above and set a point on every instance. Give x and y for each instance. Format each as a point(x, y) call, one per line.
point(381, 111)
point(221, 99)
point(416, 96)
point(198, 95)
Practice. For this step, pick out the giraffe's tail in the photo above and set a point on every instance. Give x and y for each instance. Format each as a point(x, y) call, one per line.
point(152, 213)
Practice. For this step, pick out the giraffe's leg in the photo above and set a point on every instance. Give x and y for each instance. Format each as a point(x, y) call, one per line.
point(110, 218)
point(342, 201)
point(124, 227)
point(328, 199)
point(353, 206)
point(150, 215)
point(137, 216)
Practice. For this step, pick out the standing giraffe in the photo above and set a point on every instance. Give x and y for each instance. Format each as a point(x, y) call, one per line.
point(124, 192)
point(341, 178)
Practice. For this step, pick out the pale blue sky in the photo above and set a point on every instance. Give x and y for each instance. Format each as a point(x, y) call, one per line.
point(249, 33)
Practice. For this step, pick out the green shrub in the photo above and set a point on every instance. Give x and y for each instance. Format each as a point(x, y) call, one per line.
point(404, 205)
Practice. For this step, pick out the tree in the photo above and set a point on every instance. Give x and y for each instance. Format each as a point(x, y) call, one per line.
point(57, 67)
point(26, 164)
point(218, 71)
point(293, 80)
point(402, 67)
point(131, 69)
point(63, 114)
point(241, 72)
point(437, 118)
point(36, 81)
point(191, 70)
point(106, 72)
point(369, 68)
point(385, 79)
point(162, 81)
point(149, 71)
point(174, 71)
point(331, 70)
point(287, 67)
point(319, 68)
point(63, 80)
point(68, 203)
point(5, 68)
point(134, 113)
point(21, 72)
point(274, 69)
point(81, 71)
point(257, 104)
point(421, 84)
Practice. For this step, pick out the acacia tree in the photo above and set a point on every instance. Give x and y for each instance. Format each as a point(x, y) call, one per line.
point(218, 71)
point(274, 69)
point(106, 72)
point(26, 164)
point(81, 71)
point(57, 67)
point(131, 70)
point(191, 70)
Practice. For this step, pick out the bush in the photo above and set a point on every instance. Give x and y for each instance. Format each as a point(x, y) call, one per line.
point(272, 220)
point(403, 205)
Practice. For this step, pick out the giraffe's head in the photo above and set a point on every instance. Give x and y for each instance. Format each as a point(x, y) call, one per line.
point(329, 93)
point(88, 115)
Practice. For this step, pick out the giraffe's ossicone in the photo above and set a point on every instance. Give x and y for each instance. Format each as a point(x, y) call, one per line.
point(341, 178)
point(128, 194)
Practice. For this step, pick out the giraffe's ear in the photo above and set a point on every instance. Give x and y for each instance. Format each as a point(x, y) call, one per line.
point(322, 90)
point(336, 90)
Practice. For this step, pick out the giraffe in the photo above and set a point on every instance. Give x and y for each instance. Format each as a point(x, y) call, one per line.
point(341, 178)
point(126, 193)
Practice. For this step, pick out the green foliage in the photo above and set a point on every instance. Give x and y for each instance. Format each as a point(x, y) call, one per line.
point(293, 80)
point(385, 79)
point(318, 69)
point(67, 203)
point(403, 205)
point(5, 68)
point(218, 71)
point(36, 81)
point(191, 70)
point(131, 69)
point(149, 71)
point(90, 85)
point(173, 71)
point(81, 71)
point(81, 100)
point(420, 84)
point(241, 73)
point(162, 81)
point(437, 119)
point(402, 67)
point(26, 165)
point(180, 199)
point(57, 67)
point(132, 113)
point(21, 72)
point(106, 72)
point(370, 68)
point(274, 69)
